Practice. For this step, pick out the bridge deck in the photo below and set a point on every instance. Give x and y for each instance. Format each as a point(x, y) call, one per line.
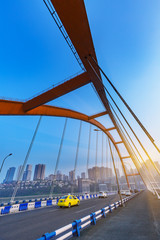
point(140, 219)
point(30, 225)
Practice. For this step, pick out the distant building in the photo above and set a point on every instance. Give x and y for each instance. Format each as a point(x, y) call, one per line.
point(59, 176)
point(18, 173)
point(10, 175)
point(103, 187)
point(39, 172)
point(72, 176)
point(27, 173)
point(99, 173)
point(118, 173)
point(83, 175)
point(84, 185)
point(65, 178)
point(51, 177)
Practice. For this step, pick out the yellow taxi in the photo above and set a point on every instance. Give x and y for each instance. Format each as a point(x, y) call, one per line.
point(68, 201)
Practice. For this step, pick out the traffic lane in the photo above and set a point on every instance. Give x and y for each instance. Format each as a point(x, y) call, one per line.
point(31, 225)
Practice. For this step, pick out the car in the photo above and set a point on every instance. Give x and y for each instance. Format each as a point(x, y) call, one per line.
point(103, 194)
point(128, 193)
point(68, 201)
point(123, 192)
point(136, 191)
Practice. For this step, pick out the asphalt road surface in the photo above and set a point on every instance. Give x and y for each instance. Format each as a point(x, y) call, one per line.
point(30, 225)
point(138, 220)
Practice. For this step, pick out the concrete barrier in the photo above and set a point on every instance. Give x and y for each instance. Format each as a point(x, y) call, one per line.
point(14, 208)
point(23, 206)
point(6, 210)
point(31, 205)
point(38, 204)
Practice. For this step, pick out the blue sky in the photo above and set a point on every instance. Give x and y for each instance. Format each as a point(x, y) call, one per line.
point(34, 56)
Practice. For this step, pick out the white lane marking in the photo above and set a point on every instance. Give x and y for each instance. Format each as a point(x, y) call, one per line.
point(85, 209)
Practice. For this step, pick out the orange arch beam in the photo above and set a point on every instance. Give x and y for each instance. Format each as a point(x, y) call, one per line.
point(14, 108)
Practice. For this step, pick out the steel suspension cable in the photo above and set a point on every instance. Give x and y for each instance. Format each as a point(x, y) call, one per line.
point(107, 161)
point(108, 110)
point(138, 169)
point(136, 158)
point(127, 106)
point(102, 177)
point(77, 151)
point(89, 143)
point(96, 159)
point(25, 160)
point(59, 24)
point(106, 154)
point(119, 192)
point(140, 163)
point(133, 133)
point(125, 119)
point(125, 130)
point(58, 158)
point(131, 142)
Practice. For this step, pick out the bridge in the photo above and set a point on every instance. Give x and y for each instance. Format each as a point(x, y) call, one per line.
point(105, 148)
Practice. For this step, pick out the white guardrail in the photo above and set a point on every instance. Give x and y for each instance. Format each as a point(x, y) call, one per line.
point(23, 205)
point(73, 229)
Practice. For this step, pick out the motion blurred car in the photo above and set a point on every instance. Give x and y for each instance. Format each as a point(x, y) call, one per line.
point(68, 201)
point(136, 190)
point(128, 193)
point(103, 194)
point(123, 192)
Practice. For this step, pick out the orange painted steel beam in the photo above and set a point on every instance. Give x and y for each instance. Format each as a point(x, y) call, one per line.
point(98, 115)
point(119, 142)
point(57, 91)
point(110, 129)
point(133, 174)
point(72, 14)
point(14, 108)
point(74, 19)
point(126, 157)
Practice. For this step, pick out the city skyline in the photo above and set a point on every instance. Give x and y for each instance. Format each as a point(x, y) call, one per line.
point(101, 173)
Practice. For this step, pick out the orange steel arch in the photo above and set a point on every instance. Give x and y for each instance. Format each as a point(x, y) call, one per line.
point(14, 108)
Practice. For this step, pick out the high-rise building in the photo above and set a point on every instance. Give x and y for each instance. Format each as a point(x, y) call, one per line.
point(65, 178)
point(72, 176)
point(59, 176)
point(43, 171)
point(10, 175)
point(27, 173)
point(83, 175)
point(99, 173)
point(39, 172)
point(18, 173)
point(83, 185)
